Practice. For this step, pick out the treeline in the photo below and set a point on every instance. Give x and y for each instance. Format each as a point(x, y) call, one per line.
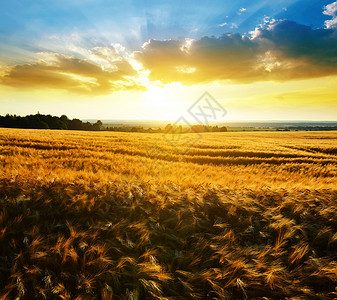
point(170, 129)
point(39, 121)
point(193, 129)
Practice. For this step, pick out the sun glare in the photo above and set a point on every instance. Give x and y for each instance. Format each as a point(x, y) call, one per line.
point(161, 103)
point(156, 95)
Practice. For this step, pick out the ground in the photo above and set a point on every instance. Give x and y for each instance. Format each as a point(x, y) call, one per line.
point(103, 215)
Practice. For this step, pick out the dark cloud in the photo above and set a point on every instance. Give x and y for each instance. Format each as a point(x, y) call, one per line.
point(279, 51)
point(296, 41)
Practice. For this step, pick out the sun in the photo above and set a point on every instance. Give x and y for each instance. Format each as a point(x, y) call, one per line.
point(161, 102)
point(156, 95)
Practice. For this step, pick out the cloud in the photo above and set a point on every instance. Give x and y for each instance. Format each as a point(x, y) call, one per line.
point(210, 58)
point(331, 10)
point(241, 10)
point(231, 25)
point(311, 51)
point(278, 51)
point(80, 76)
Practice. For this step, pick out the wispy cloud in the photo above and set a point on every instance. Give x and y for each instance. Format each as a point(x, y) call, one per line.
point(241, 10)
point(231, 25)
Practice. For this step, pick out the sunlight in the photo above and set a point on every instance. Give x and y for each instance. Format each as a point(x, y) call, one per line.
point(156, 95)
point(161, 103)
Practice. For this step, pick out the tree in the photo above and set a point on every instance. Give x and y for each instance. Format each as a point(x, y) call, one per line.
point(168, 128)
point(97, 126)
point(75, 124)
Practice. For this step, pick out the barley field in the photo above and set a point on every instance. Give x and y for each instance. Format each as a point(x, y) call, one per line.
point(107, 215)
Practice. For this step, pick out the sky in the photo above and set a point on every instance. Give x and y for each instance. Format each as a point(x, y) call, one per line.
point(154, 60)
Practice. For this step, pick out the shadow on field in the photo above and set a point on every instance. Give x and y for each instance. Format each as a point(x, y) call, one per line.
point(128, 241)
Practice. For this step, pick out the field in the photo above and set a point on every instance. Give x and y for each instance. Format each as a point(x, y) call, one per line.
point(103, 215)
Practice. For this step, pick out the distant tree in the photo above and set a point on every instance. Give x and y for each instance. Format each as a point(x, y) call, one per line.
point(97, 126)
point(40, 121)
point(168, 128)
point(137, 129)
point(75, 124)
point(87, 126)
point(64, 119)
point(197, 128)
point(43, 125)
